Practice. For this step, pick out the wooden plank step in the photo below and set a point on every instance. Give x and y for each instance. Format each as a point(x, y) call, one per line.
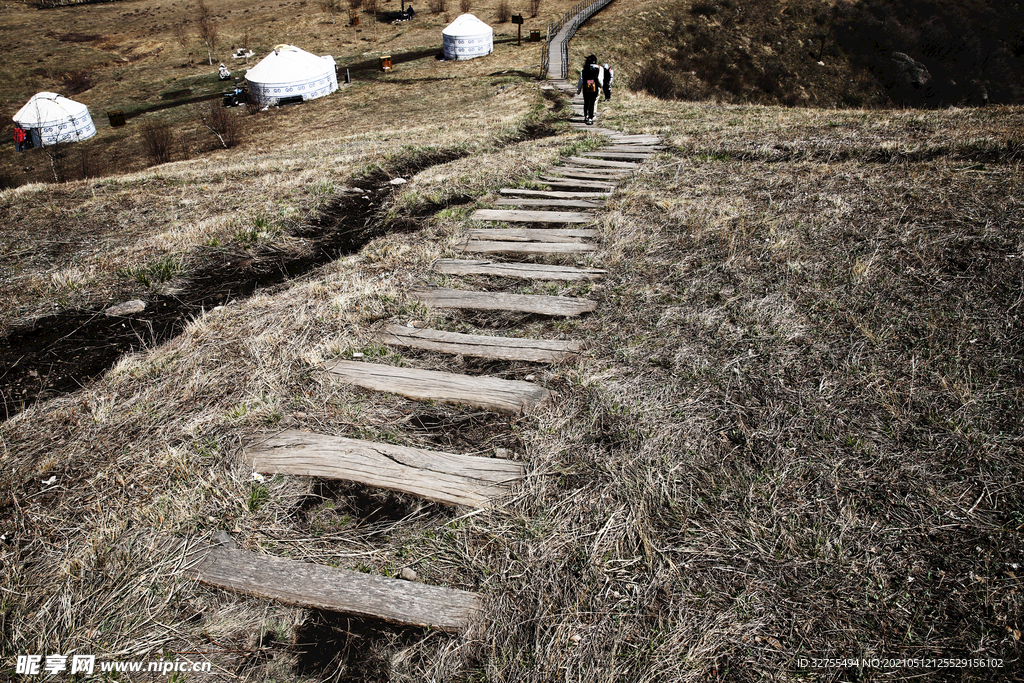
point(533, 235)
point(567, 172)
point(595, 170)
point(628, 147)
point(587, 161)
point(521, 192)
point(616, 156)
point(563, 203)
point(527, 271)
point(482, 346)
point(535, 248)
point(337, 590)
point(514, 216)
point(435, 475)
point(635, 137)
point(544, 304)
point(567, 183)
point(490, 393)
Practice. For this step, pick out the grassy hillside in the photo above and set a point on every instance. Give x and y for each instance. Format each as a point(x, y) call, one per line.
point(795, 434)
point(815, 52)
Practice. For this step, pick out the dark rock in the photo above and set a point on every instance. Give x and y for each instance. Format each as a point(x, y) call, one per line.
point(909, 73)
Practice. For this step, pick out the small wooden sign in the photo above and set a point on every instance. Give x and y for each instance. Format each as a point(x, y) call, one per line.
point(517, 18)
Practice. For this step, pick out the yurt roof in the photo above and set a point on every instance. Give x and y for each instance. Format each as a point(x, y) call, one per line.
point(47, 108)
point(466, 25)
point(288, 63)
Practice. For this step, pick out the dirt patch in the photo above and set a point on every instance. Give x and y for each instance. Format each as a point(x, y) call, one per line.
point(59, 353)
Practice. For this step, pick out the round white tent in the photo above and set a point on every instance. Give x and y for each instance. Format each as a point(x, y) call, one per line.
point(467, 37)
point(50, 119)
point(291, 72)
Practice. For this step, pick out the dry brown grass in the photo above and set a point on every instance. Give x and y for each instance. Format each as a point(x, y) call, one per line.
point(796, 432)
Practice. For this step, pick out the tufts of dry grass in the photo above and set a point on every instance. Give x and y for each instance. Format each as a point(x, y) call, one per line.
point(796, 432)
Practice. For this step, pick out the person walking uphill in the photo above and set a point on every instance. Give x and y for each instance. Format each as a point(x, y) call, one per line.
point(609, 76)
point(590, 84)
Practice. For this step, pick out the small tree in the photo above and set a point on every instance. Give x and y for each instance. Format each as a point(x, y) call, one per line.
point(221, 122)
point(206, 25)
point(465, 5)
point(534, 7)
point(504, 12)
point(438, 6)
point(157, 140)
point(330, 8)
point(184, 38)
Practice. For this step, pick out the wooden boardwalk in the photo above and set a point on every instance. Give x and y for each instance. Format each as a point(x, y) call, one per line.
point(579, 185)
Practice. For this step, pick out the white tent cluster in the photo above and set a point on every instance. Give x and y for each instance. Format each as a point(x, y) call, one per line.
point(50, 119)
point(291, 72)
point(467, 37)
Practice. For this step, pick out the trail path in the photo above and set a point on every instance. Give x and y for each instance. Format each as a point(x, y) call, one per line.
point(552, 225)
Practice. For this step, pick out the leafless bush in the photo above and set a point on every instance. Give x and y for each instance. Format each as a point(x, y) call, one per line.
point(371, 7)
point(438, 6)
point(534, 7)
point(330, 8)
point(220, 121)
point(504, 12)
point(157, 140)
point(465, 5)
point(184, 37)
point(355, 4)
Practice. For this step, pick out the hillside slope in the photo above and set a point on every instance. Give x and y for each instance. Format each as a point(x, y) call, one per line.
point(816, 52)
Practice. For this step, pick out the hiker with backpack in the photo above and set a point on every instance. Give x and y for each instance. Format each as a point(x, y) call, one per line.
point(590, 84)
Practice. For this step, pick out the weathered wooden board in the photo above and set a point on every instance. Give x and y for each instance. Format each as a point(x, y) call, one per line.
point(575, 174)
point(337, 590)
point(624, 156)
point(490, 393)
point(587, 161)
point(533, 234)
point(627, 147)
point(594, 170)
point(520, 192)
point(514, 216)
point(434, 475)
point(639, 139)
point(527, 271)
point(568, 183)
point(560, 203)
point(500, 301)
point(482, 346)
point(501, 247)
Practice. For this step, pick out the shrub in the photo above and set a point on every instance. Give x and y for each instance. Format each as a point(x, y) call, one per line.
point(438, 6)
point(534, 7)
point(157, 140)
point(220, 121)
point(465, 5)
point(504, 12)
point(654, 80)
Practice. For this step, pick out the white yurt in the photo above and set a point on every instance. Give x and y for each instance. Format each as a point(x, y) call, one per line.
point(467, 37)
point(49, 118)
point(291, 72)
